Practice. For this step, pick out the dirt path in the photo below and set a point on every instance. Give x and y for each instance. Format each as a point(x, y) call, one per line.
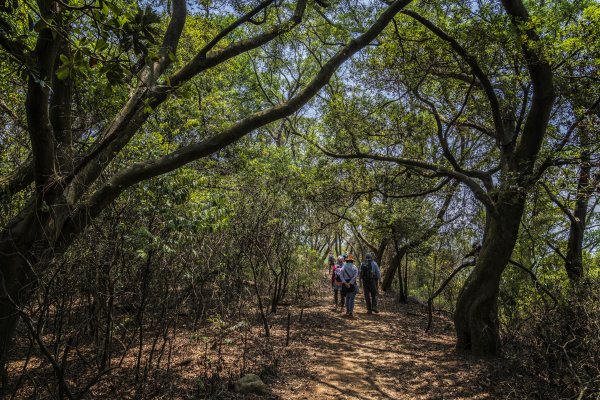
point(385, 356)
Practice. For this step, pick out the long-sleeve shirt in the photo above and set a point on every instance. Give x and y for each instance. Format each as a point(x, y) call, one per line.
point(349, 273)
point(376, 270)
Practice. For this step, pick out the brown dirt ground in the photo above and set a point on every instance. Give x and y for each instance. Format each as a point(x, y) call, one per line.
point(384, 356)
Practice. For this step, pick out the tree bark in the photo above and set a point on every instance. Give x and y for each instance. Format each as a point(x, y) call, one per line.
point(574, 255)
point(378, 256)
point(390, 273)
point(17, 283)
point(476, 317)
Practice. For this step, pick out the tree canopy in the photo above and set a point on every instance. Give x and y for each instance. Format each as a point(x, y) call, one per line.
point(202, 156)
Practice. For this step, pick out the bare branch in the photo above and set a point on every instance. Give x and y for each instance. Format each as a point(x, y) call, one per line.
point(534, 278)
point(463, 265)
point(560, 205)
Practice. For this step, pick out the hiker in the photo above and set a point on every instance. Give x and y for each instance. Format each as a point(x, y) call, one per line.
point(340, 265)
point(336, 284)
point(349, 275)
point(330, 261)
point(370, 276)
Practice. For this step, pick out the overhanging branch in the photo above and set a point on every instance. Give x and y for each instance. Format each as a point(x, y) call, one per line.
point(145, 170)
point(438, 170)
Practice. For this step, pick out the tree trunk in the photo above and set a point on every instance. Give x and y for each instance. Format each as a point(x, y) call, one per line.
point(390, 273)
point(18, 282)
point(574, 256)
point(476, 316)
point(401, 295)
point(404, 279)
point(381, 251)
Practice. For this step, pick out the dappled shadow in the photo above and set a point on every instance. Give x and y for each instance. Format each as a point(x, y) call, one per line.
point(385, 356)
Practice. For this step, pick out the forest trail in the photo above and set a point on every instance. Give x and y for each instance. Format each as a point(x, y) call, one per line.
point(384, 356)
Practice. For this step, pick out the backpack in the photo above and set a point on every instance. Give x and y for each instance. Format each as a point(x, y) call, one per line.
point(366, 271)
point(337, 278)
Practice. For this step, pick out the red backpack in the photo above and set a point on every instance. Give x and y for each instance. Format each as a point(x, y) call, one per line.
point(335, 276)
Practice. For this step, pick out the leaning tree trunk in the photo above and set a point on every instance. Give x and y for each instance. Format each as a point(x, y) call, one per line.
point(476, 316)
point(390, 272)
point(381, 251)
point(574, 256)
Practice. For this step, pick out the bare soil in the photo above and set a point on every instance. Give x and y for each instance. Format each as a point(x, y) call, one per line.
point(381, 356)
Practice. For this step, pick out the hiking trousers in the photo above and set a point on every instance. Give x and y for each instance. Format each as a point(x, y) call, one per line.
point(350, 302)
point(337, 291)
point(370, 288)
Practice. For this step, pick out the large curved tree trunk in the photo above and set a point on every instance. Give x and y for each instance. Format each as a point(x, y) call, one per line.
point(476, 316)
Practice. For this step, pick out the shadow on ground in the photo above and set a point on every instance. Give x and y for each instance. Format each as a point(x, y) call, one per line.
point(385, 356)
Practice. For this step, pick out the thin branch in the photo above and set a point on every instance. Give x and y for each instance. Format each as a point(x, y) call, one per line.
point(560, 205)
point(535, 280)
point(556, 250)
point(145, 170)
point(463, 265)
point(503, 138)
point(477, 190)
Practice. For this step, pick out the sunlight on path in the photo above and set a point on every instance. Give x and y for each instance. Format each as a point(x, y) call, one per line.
point(349, 365)
point(385, 356)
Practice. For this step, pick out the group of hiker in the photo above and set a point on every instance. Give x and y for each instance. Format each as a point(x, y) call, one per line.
point(345, 279)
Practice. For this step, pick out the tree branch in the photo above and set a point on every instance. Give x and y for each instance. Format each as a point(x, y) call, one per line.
point(463, 265)
point(560, 205)
point(145, 170)
point(18, 180)
point(540, 72)
point(534, 278)
point(438, 170)
point(132, 116)
point(503, 137)
point(41, 135)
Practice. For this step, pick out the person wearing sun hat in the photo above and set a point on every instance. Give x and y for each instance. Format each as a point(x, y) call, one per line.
point(349, 275)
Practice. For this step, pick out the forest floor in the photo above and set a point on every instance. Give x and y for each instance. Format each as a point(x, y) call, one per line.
point(384, 356)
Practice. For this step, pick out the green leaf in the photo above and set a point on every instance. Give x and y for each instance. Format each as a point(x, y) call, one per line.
point(63, 72)
point(101, 44)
